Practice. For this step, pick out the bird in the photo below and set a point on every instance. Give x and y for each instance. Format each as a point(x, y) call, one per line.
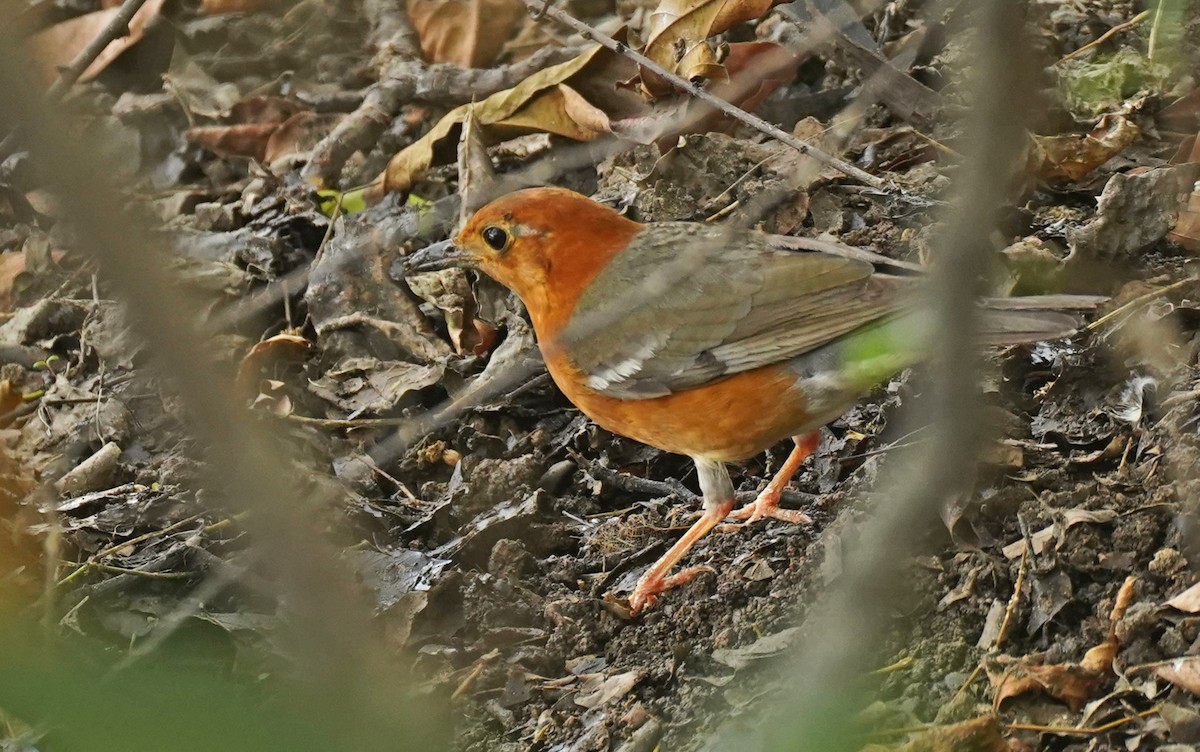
point(703, 340)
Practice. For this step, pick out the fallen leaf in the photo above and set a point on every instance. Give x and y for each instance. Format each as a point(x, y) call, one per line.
point(734, 12)
point(233, 140)
point(1064, 681)
point(252, 125)
point(543, 102)
point(980, 734)
point(677, 40)
point(1188, 601)
point(469, 33)
point(284, 347)
point(55, 47)
point(1069, 158)
point(599, 689)
point(763, 647)
point(1183, 673)
point(294, 138)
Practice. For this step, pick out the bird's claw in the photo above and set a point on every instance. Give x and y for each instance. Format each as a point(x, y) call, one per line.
point(766, 506)
point(645, 593)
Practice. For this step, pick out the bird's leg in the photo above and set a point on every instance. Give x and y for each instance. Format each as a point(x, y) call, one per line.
point(718, 501)
point(767, 503)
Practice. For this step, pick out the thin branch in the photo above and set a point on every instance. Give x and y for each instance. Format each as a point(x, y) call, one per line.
point(755, 122)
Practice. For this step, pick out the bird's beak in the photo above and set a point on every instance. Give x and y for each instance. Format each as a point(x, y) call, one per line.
point(432, 258)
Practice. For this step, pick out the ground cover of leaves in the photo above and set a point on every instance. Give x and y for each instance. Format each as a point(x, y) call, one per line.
point(497, 543)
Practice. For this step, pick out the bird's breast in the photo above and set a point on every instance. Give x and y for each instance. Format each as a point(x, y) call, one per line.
point(730, 419)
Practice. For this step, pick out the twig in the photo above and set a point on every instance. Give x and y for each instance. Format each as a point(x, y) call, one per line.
point(755, 122)
point(95, 558)
point(70, 73)
point(1139, 300)
point(1088, 731)
point(1106, 36)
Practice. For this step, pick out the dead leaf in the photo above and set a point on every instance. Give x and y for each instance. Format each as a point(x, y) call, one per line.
point(1186, 232)
point(469, 33)
point(677, 40)
point(763, 647)
point(263, 128)
point(285, 347)
point(734, 12)
point(55, 47)
point(980, 734)
point(1183, 673)
point(477, 183)
point(1100, 658)
point(1064, 681)
point(10, 397)
point(544, 102)
point(233, 140)
point(599, 689)
point(1188, 601)
point(294, 138)
point(1069, 158)
point(1072, 683)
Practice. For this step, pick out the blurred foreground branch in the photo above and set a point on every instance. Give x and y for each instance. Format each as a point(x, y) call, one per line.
point(347, 689)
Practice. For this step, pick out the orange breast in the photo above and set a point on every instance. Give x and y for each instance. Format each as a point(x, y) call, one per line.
point(732, 419)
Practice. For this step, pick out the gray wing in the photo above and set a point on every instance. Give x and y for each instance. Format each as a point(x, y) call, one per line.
point(681, 307)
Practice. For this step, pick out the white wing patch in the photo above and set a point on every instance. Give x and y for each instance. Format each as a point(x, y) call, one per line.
point(622, 371)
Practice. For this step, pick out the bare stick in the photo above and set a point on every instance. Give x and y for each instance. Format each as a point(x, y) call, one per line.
point(755, 122)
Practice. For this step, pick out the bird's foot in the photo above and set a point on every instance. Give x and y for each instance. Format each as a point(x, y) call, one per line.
point(645, 593)
point(766, 506)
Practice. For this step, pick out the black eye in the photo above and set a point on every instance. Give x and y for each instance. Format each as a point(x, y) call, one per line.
point(495, 237)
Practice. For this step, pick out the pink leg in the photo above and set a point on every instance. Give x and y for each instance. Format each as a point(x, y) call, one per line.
point(656, 580)
point(718, 501)
point(767, 503)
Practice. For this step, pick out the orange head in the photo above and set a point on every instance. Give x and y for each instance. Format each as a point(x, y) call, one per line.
point(545, 244)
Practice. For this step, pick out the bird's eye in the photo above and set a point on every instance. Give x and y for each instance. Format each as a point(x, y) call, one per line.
point(495, 237)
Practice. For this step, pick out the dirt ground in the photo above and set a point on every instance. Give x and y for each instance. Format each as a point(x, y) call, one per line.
point(499, 542)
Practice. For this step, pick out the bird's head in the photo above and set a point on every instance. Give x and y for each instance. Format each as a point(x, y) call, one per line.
point(545, 244)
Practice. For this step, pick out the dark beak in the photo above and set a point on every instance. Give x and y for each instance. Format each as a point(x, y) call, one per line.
point(432, 258)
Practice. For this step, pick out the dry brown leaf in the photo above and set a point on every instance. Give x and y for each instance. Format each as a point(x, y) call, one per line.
point(980, 734)
point(537, 104)
point(55, 47)
point(253, 125)
point(1067, 682)
point(1183, 673)
point(282, 348)
point(470, 33)
point(1069, 158)
point(295, 137)
point(1188, 601)
point(233, 140)
point(10, 397)
point(1072, 683)
point(477, 183)
point(734, 12)
point(678, 41)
